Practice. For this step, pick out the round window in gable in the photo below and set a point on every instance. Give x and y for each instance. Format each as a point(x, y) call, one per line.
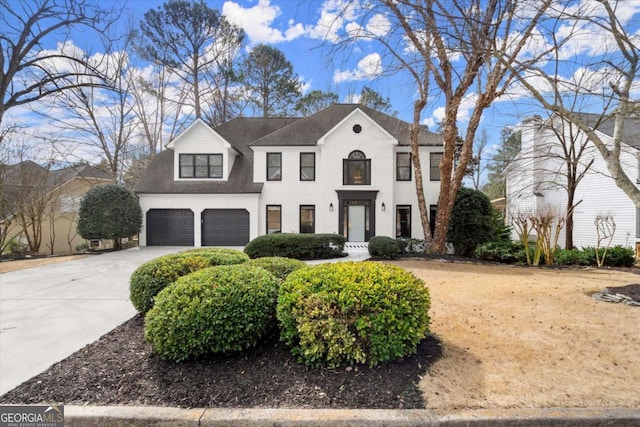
point(357, 128)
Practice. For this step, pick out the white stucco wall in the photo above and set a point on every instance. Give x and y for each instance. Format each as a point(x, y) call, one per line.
point(199, 138)
point(377, 145)
point(290, 193)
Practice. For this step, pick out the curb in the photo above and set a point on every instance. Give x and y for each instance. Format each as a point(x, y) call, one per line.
point(132, 416)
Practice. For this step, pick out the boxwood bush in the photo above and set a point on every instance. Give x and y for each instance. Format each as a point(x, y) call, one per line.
point(278, 266)
point(215, 310)
point(153, 276)
point(385, 247)
point(352, 312)
point(617, 256)
point(505, 251)
point(220, 256)
point(298, 246)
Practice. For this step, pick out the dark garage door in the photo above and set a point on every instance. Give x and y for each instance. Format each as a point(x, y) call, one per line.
point(225, 227)
point(170, 227)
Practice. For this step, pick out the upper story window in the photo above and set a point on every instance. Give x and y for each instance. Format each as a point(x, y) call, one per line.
point(274, 166)
point(200, 165)
point(434, 166)
point(403, 166)
point(307, 166)
point(356, 169)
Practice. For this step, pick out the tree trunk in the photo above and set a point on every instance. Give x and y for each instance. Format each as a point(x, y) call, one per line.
point(417, 168)
point(568, 238)
point(196, 87)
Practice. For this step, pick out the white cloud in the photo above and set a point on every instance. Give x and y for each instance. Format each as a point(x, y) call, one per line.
point(464, 112)
point(257, 22)
point(333, 16)
point(368, 68)
point(377, 26)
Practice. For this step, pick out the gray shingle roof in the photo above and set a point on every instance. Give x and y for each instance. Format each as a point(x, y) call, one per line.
point(244, 132)
point(605, 124)
point(308, 130)
point(239, 132)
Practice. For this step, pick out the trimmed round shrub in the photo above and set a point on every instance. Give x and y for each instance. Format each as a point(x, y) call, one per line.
point(215, 310)
point(352, 312)
point(278, 266)
point(220, 256)
point(153, 276)
point(385, 247)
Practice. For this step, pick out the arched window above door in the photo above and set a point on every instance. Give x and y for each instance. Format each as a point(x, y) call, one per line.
point(356, 169)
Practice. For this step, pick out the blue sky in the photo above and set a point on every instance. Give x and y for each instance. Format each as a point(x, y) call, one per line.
point(307, 32)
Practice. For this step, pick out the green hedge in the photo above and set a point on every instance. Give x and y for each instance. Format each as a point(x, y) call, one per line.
point(215, 310)
point(280, 267)
point(153, 276)
point(616, 256)
point(352, 312)
point(298, 246)
point(505, 251)
point(513, 252)
point(385, 247)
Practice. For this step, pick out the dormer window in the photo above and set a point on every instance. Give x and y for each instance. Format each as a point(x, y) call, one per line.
point(200, 165)
point(356, 169)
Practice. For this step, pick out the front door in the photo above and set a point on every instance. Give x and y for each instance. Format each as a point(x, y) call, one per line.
point(357, 219)
point(356, 223)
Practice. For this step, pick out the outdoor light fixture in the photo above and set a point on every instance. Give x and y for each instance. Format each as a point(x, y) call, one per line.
point(330, 207)
point(384, 207)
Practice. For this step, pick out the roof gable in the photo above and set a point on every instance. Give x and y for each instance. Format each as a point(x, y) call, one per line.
point(199, 125)
point(355, 112)
point(309, 130)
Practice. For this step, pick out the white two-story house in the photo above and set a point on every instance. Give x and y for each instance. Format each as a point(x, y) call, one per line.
point(536, 179)
point(346, 169)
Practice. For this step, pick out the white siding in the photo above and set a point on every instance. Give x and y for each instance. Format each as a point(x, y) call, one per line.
point(596, 194)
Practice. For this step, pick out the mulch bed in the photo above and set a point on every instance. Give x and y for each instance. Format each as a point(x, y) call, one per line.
point(632, 291)
point(121, 369)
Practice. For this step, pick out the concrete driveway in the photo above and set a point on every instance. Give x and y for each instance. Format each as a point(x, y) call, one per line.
point(49, 312)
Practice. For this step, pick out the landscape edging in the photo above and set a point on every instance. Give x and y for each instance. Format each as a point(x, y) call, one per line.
point(133, 416)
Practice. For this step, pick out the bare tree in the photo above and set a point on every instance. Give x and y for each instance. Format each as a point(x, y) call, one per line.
point(607, 80)
point(97, 120)
point(571, 154)
point(605, 230)
point(477, 166)
point(451, 45)
point(28, 195)
point(26, 72)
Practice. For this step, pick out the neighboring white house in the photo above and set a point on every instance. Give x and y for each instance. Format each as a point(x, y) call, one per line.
point(346, 169)
point(536, 179)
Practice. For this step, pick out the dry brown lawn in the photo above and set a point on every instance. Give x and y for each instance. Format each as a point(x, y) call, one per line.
point(521, 337)
point(6, 266)
point(529, 337)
